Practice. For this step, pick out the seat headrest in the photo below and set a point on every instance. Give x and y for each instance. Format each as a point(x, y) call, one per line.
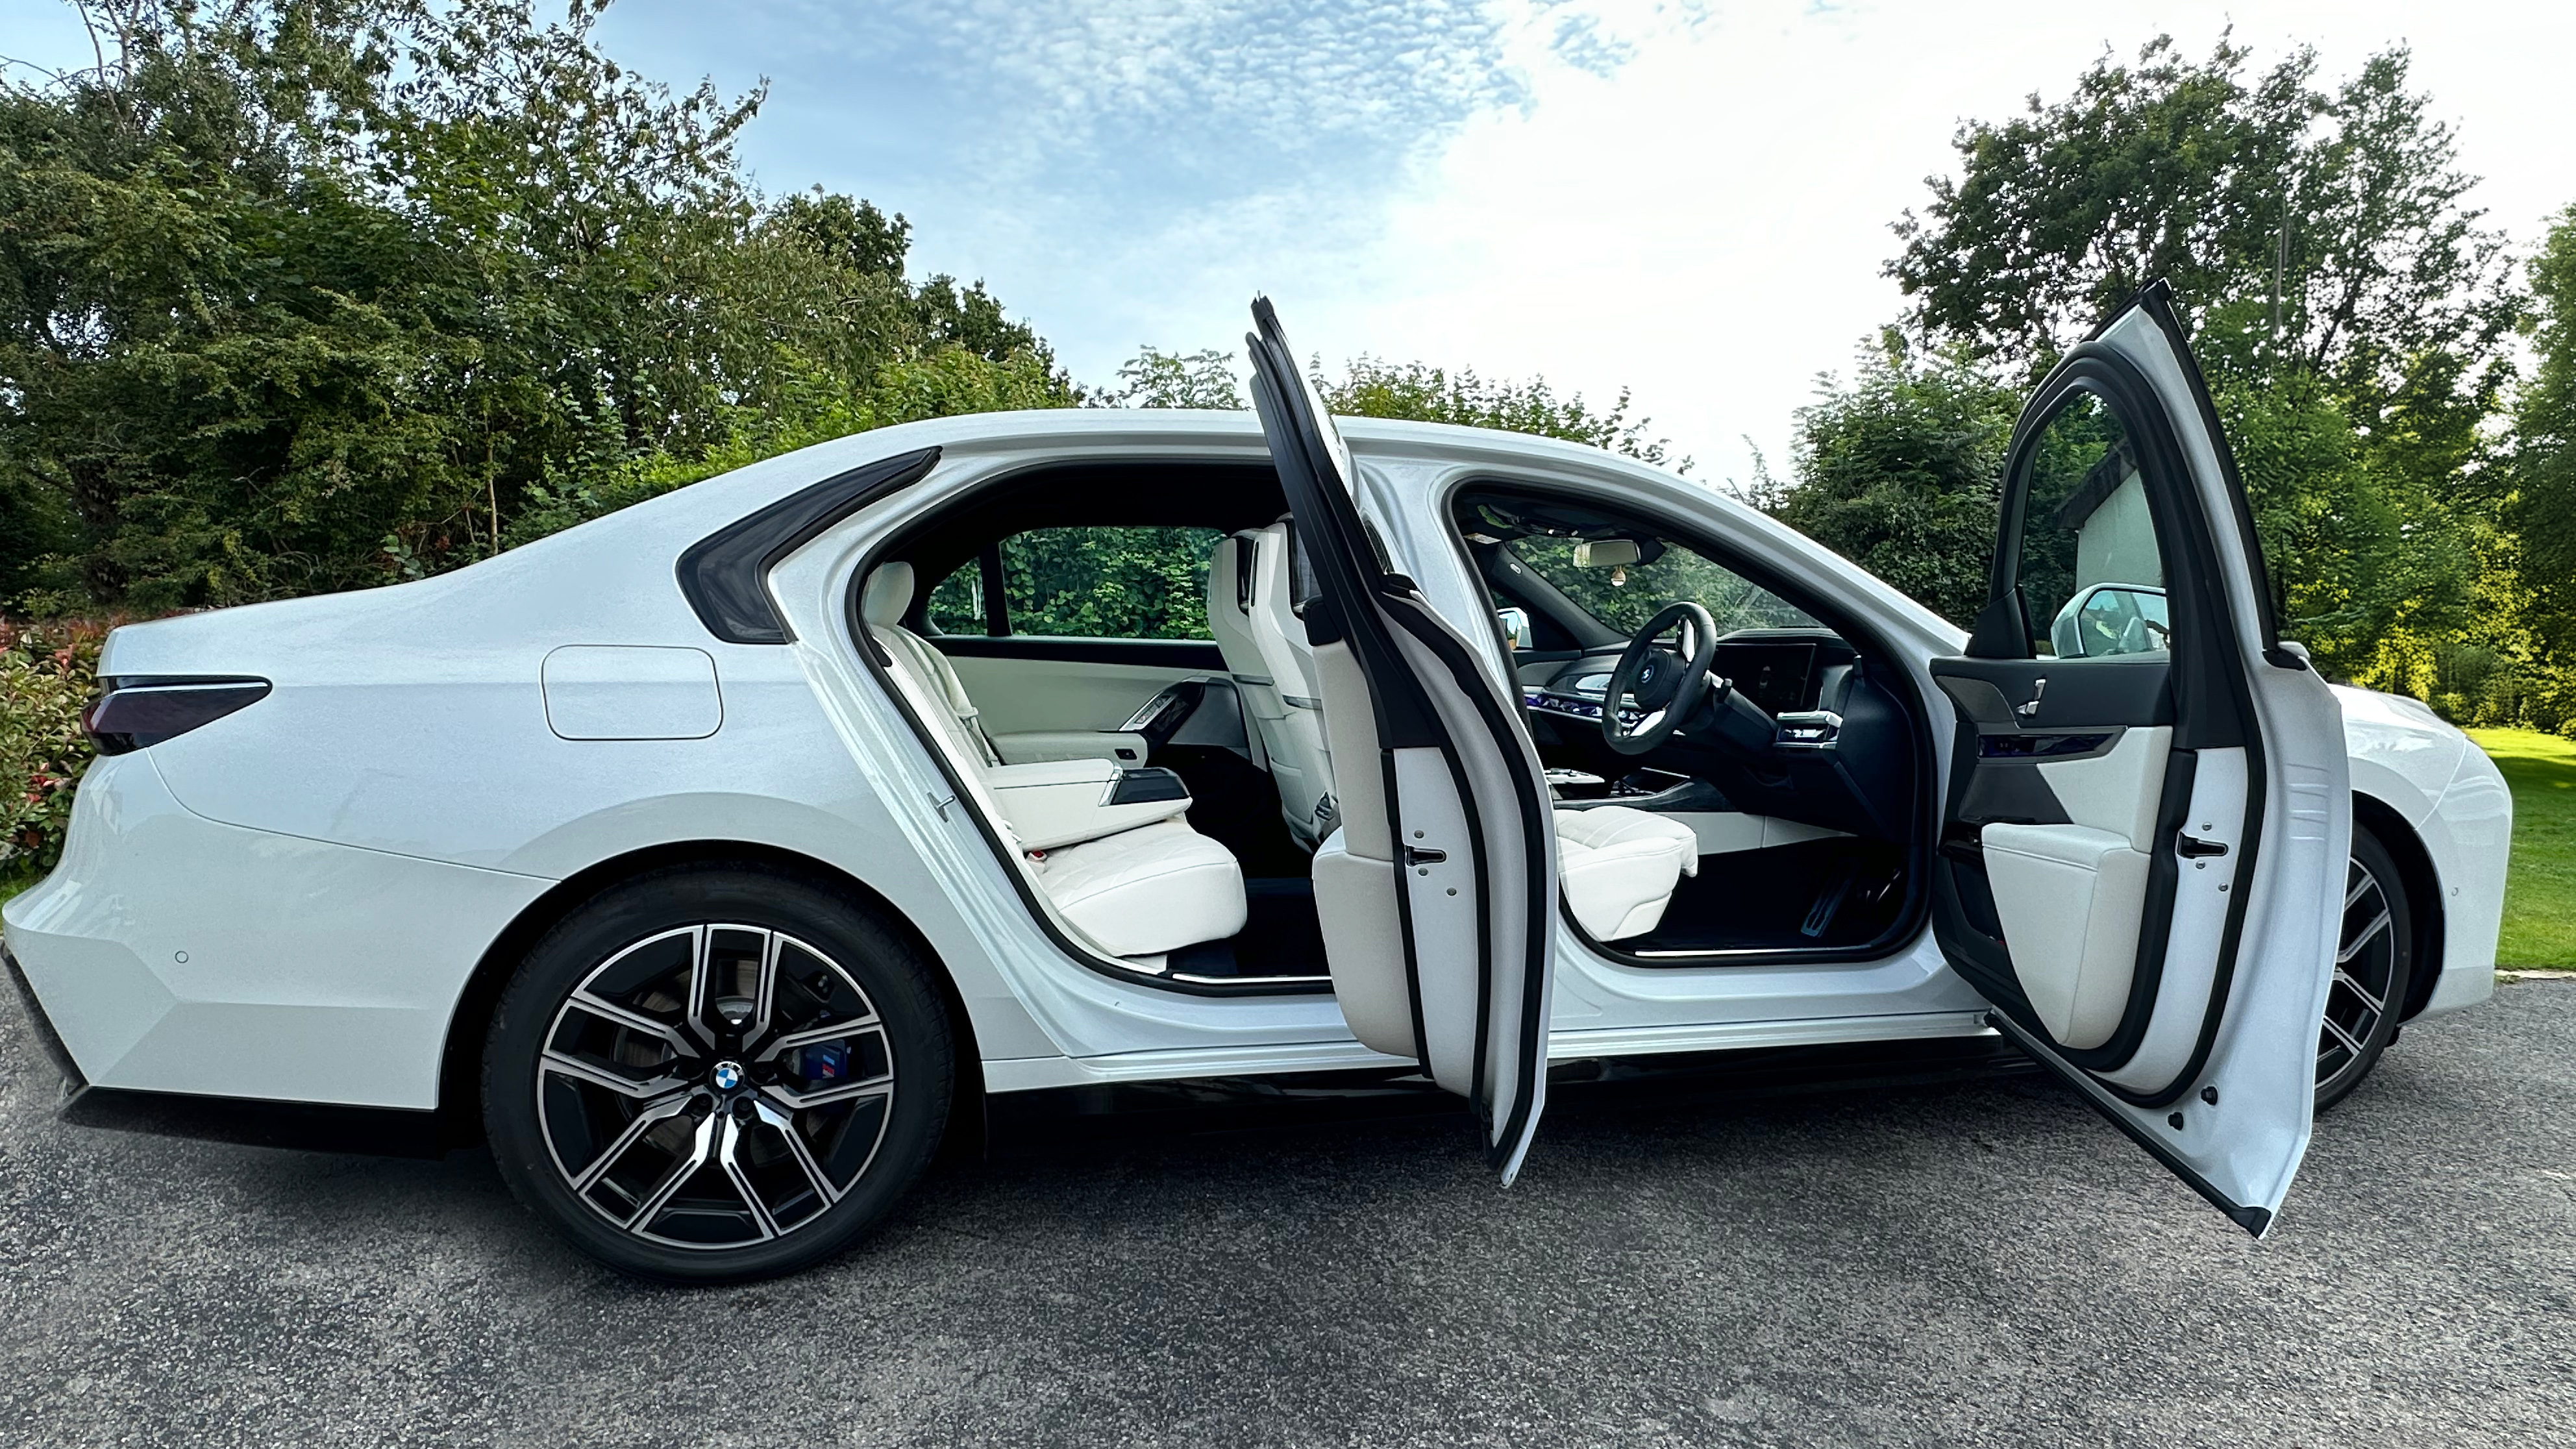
point(888, 594)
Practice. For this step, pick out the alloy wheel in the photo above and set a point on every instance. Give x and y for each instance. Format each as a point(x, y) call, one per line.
point(2368, 972)
point(715, 1086)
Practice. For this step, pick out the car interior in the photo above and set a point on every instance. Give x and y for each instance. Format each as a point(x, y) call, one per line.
point(1111, 662)
point(1790, 754)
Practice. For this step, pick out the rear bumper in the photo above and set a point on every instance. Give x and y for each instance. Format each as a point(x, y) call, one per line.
point(46, 1037)
point(169, 953)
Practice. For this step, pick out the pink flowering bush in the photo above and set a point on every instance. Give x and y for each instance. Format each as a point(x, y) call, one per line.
point(48, 675)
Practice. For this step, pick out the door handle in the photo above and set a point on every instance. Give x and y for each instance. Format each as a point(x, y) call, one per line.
point(2192, 847)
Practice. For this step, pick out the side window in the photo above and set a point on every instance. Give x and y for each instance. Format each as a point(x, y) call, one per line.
point(1090, 582)
point(956, 606)
point(2092, 581)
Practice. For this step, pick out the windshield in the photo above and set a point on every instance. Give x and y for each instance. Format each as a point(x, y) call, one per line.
point(1625, 596)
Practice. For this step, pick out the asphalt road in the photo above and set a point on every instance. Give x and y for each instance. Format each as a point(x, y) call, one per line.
point(1968, 1264)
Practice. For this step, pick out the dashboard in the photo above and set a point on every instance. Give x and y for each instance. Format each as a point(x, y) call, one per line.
point(1843, 757)
point(1786, 671)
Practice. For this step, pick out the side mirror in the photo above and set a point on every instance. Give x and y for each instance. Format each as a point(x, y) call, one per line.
point(1515, 624)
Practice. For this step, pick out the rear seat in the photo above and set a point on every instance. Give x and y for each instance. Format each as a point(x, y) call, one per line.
point(1139, 890)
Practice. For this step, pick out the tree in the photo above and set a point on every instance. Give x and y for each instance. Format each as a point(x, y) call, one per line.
point(1154, 378)
point(1370, 387)
point(2352, 315)
point(2543, 508)
point(310, 294)
point(2343, 206)
point(1373, 388)
point(1897, 472)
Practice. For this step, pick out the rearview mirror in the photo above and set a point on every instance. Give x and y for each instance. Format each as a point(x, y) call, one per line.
point(1606, 553)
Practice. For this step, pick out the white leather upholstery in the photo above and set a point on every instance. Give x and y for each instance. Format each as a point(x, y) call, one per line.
point(882, 600)
point(887, 593)
point(1146, 890)
point(1301, 762)
point(2071, 899)
point(1619, 867)
point(2072, 896)
point(1354, 872)
point(1135, 892)
point(1229, 615)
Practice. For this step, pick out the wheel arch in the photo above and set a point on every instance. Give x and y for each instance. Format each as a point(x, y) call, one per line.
point(2423, 885)
point(459, 1118)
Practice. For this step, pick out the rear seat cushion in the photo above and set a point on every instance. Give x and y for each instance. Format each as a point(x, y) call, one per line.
point(1155, 888)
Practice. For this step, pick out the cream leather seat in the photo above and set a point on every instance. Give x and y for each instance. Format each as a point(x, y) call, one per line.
point(1147, 884)
point(1301, 760)
point(1619, 867)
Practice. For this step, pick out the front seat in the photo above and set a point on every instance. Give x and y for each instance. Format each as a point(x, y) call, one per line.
point(1233, 575)
point(1620, 866)
point(1137, 891)
point(1301, 761)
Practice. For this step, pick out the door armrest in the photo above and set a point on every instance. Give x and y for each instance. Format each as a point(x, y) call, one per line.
point(1036, 747)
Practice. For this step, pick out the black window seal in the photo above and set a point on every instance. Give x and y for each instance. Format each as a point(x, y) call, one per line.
point(725, 575)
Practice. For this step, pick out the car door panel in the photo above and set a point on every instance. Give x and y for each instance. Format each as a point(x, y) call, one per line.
point(2137, 846)
point(1441, 797)
point(1021, 693)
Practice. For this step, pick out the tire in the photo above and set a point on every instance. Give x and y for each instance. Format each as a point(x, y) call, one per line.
point(2374, 967)
point(711, 1074)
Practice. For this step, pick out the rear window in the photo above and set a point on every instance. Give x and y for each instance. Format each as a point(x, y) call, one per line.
point(1122, 582)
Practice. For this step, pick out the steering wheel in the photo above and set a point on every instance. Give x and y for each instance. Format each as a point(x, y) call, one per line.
point(1668, 687)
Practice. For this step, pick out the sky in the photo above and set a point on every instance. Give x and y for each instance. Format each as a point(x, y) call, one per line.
point(1689, 199)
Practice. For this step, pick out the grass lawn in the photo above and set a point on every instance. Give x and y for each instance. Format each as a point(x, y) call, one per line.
point(2540, 890)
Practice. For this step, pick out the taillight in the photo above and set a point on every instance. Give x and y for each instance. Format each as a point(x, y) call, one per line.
point(135, 714)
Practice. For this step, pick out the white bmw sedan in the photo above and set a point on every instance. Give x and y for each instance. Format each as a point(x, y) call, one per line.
point(706, 858)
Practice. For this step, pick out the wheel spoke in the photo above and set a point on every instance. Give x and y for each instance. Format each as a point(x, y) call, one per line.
point(606, 1010)
point(658, 1112)
point(2345, 979)
point(796, 1148)
point(766, 989)
point(2360, 887)
point(2335, 1029)
point(702, 1147)
point(701, 945)
point(811, 1035)
point(598, 1076)
point(881, 1086)
point(2363, 938)
point(728, 1135)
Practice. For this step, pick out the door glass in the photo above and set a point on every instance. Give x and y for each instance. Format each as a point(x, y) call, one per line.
point(1088, 583)
point(956, 606)
point(2092, 581)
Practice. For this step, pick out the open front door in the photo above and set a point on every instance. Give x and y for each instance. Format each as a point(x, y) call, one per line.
point(2148, 808)
point(1437, 890)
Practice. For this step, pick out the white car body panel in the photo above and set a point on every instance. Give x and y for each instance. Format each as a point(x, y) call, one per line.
point(339, 859)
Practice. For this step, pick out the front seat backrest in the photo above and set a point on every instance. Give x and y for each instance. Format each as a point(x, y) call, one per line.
point(1301, 760)
point(1229, 616)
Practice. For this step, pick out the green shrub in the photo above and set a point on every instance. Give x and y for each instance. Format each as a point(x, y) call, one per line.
point(48, 674)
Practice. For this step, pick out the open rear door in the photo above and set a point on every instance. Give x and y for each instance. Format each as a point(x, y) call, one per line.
point(1438, 888)
point(2148, 811)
